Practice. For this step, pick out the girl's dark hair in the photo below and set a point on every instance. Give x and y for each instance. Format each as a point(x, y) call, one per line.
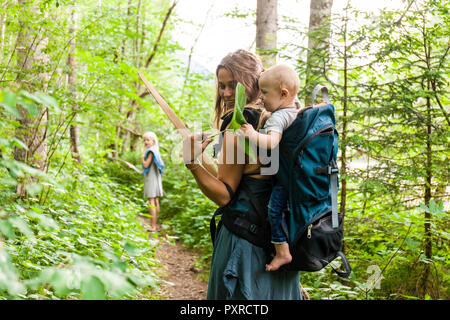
point(246, 67)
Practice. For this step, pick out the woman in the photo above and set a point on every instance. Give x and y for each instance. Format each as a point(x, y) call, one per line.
point(238, 265)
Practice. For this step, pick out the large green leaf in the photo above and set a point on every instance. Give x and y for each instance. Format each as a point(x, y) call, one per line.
point(238, 119)
point(239, 104)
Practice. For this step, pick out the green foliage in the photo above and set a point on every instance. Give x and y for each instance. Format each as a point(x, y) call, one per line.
point(238, 120)
point(84, 242)
point(75, 235)
point(186, 210)
point(388, 82)
point(240, 100)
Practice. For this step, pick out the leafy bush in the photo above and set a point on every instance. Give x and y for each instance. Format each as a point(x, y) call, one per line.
point(187, 210)
point(83, 242)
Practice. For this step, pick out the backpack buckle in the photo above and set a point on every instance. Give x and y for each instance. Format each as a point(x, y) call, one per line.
point(327, 170)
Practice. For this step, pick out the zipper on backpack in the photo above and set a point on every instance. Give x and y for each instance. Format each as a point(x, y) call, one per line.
point(322, 131)
point(309, 231)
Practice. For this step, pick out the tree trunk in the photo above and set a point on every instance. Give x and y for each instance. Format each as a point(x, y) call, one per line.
point(266, 31)
point(129, 121)
point(318, 43)
point(136, 40)
point(32, 131)
point(2, 25)
point(72, 77)
point(429, 163)
point(343, 133)
point(428, 178)
point(343, 141)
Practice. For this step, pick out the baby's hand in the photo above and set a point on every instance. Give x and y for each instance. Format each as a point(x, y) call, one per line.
point(246, 130)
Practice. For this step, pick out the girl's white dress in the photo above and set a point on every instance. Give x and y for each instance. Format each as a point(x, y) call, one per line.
point(152, 182)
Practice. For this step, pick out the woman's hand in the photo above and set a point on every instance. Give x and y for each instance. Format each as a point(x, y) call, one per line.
point(193, 146)
point(213, 185)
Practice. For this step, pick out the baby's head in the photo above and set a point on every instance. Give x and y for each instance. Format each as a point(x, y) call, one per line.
point(150, 139)
point(279, 86)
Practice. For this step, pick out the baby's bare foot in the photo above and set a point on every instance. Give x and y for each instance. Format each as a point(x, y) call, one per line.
point(278, 261)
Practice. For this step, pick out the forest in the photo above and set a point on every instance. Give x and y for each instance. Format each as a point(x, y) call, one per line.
point(73, 110)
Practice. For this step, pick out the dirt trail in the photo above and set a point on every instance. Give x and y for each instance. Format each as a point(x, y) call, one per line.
point(182, 281)
point(180, 277)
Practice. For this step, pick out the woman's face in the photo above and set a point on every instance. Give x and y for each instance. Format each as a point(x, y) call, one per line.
point(227, 86)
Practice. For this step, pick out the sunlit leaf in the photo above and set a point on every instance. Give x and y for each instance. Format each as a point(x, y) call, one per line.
point(240, 99)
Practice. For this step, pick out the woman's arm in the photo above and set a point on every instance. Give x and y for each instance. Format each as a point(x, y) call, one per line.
point(208, 164)
point(230, 173)
point(146, 163)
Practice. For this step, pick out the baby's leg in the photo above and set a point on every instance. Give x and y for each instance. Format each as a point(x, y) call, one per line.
point(277, 204)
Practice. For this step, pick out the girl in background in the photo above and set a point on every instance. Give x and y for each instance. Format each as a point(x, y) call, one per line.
point(153, 168)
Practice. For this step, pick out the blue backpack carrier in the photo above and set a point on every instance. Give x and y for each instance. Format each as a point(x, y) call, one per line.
point(308, 169)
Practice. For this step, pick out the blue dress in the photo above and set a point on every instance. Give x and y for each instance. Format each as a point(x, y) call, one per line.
point(238, 266)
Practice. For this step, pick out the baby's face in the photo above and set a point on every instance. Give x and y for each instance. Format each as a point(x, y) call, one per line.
point(271, 94)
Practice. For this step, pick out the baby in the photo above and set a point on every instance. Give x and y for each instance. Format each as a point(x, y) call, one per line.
point(279, 86)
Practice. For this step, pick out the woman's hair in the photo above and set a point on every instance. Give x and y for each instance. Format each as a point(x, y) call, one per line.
point(152, 135)
point(245, 68)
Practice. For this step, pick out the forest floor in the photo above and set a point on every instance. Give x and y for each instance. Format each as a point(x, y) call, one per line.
point(181, 279)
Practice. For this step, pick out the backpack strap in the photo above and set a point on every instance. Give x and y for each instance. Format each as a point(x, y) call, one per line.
point(347, 267)
point(332, 170)
point(334, 191)
point(230, 191)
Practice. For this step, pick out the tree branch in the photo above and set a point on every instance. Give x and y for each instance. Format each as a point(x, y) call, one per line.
point(188, 68)
point(399, 21)
point(138, 134)
point(155, 47)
